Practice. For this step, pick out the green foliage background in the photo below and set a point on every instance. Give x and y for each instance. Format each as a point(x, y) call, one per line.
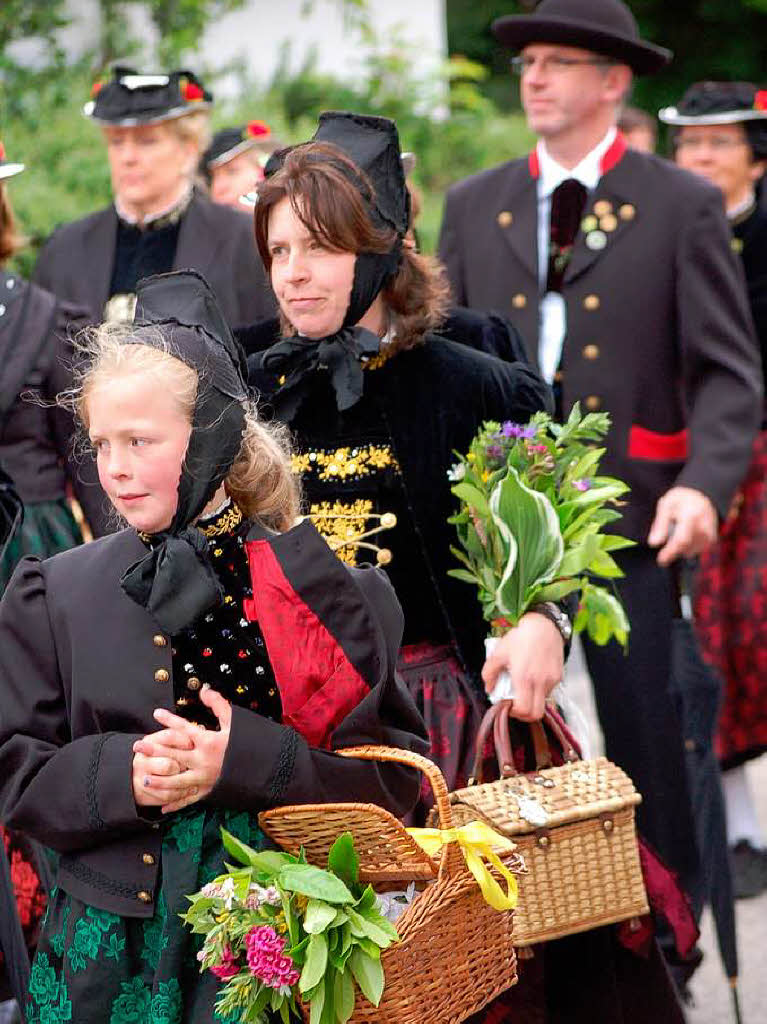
point(475, 100)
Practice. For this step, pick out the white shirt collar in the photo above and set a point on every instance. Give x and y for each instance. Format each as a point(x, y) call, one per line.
point(587, 172)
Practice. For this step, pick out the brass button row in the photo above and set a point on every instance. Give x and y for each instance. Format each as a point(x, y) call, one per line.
point(144, 896)
point(159, 640)
point(162, 675)
point(148, 859)
point(593, 403)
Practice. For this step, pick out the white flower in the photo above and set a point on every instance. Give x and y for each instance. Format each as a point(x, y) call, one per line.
point(457, 472)
point(227, 892)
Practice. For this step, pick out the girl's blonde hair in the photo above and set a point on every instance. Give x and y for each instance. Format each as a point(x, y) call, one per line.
point(260, 481)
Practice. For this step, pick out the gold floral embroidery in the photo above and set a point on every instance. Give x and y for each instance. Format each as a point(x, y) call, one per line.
point(224, 523)
point(343, 463)
point(345, 526)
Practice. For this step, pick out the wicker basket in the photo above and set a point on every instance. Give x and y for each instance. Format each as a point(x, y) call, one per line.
point(574, 826)
point(455, 953)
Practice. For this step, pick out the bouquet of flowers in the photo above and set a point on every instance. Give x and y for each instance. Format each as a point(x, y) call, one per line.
point(277, 928)
point(530, 524)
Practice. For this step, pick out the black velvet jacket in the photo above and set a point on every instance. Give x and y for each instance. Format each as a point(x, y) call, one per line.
point(82, 667)
point(434, 398)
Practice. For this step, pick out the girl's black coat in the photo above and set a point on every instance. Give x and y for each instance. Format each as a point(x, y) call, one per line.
point(82, 667)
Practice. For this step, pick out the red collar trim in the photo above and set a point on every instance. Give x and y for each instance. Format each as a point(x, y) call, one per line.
point(611, 158)
point(614, 154)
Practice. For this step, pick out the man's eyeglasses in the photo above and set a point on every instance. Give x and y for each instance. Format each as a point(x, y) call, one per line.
point(719, 143)
point(521, 64)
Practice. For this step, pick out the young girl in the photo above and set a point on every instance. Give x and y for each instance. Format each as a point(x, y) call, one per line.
point(184, 673)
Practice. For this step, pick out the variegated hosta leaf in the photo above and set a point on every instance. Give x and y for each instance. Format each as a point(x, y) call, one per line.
point(527, 523)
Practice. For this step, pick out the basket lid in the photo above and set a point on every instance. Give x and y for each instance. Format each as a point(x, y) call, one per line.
point(550, 797)
point(386, 851)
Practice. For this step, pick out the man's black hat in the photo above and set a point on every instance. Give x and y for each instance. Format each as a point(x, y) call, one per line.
point(130, 98)
point(230, 142)
point(8, 169)
point(606, 27)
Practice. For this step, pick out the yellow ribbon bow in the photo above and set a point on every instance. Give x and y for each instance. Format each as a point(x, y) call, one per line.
point(477, 842)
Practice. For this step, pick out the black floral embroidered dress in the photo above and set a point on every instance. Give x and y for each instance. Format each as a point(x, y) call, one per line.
point(94, 967)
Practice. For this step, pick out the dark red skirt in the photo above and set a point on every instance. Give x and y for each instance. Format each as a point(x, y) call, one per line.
point(452, 708)
point(731, 614)
point(29, 894)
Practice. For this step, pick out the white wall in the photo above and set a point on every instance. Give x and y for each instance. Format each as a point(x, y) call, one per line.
point(257, 32)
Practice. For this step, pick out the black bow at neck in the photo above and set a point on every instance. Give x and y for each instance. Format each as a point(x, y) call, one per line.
point(295, 360)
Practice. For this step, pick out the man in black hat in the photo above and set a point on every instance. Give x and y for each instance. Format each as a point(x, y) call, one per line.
point(618, 270)
point(155, 127)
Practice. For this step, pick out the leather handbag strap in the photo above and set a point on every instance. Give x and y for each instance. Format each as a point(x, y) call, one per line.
point(496, 720)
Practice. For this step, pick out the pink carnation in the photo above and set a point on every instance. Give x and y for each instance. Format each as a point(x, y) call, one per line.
point(228, 968)
point(267, 960)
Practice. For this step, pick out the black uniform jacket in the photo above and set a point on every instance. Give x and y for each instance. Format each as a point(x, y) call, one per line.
point(659, 330)
point(36, 436)
point(433, 398)
point(77, 260)
point(82, 667)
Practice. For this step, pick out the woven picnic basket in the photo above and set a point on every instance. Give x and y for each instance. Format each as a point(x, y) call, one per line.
point(455, 952)
point(574, 826)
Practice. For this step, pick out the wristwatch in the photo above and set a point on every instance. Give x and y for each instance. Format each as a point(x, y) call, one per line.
point(555, 614)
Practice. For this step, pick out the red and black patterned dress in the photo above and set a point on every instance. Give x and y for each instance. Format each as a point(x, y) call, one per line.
point(731, 605)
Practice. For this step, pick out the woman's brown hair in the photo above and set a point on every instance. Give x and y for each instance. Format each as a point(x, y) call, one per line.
point(332, 197)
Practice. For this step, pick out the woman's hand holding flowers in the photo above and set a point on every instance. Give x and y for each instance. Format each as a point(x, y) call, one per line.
point(197, 753)
point(533, 653)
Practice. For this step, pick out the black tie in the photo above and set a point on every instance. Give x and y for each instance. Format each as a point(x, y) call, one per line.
point(567, 202)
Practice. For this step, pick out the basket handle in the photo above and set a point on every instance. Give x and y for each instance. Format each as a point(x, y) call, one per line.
point(412, 760)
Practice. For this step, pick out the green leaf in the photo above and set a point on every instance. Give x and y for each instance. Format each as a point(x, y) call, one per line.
point(344, 996)
point(319, 915)
point(312, 881)
point(343, 860)
point(604, 565)
point(556, 591)
point(612, 542)
point(368, 974)
point(241, 852)
point(316, 963)
point(316, 1005)
point(527, 522)
point(578, 558)
point(463, 575)
point(370, 929)
point(472, 496)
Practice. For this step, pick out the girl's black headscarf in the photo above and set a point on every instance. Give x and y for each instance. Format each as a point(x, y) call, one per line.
point(372, 143)
point(175, 581)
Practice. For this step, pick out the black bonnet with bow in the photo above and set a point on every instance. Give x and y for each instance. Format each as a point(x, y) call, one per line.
point(175, 581)
point(372, 144)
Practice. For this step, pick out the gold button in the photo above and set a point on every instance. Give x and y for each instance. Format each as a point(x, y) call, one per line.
point(193, 683)
point(602, 207)
point(609, 222)
point(161, 675)
point(388, 520)
point(591, 352)
point(384, 556)
point(148, 859)
point(589, 223)
point(627, 212)
point(144, 896)
point(593, 402)
point(505, 218)
point(519, 301)
point(591, 302)
point(159, 640)
point(689, 745)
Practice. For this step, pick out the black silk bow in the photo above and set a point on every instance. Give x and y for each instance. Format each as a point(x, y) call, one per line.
point(295, 361)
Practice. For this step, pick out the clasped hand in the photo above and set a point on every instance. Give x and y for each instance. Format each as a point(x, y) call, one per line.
point(533, 653)
point(181, 763)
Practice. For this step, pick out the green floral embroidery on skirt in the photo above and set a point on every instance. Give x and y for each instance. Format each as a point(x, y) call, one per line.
point(94, 967)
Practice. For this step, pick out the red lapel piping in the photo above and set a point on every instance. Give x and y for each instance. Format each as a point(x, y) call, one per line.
point(610, 158)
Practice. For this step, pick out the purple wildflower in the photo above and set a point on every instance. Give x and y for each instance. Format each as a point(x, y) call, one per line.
point(516, 430)
point(582, 485)
point(494, 451)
